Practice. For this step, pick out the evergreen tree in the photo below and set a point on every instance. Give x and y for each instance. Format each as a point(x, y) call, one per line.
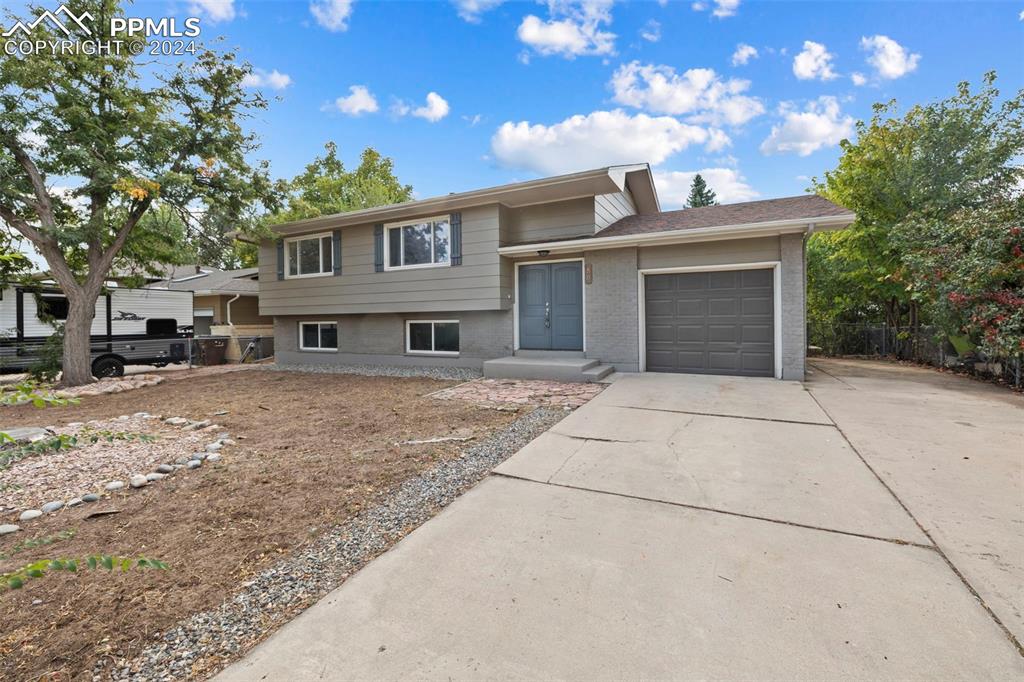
point(701, 194)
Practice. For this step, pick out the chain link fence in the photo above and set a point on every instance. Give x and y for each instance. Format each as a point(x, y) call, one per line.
point(925, 344)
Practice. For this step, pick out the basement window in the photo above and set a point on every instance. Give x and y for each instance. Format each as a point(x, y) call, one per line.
point(432, 337)
point(318, 336)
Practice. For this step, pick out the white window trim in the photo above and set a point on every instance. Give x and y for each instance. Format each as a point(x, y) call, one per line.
point(408, 338)
point(409, 223)
point(318, 237)
point(774, 265)
point(318, 333)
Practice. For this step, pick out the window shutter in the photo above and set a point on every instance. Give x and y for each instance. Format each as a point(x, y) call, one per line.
point(280, 259)
point(336, 255)
point(378, 247)
point(456, 223)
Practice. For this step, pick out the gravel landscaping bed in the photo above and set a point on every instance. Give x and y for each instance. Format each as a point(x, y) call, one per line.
point(207, 641)
point(87, 467)
point(453, 373)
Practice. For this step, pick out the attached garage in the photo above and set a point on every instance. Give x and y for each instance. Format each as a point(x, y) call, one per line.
point(711, 322)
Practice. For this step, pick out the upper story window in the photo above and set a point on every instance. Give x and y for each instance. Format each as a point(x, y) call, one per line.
point(422, 244)
point(310, 256)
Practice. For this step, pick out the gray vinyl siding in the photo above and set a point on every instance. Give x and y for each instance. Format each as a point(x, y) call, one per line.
point(551, 221)
point(609, 208)
point(379, 339)
point(709, 253)
point(477, 284)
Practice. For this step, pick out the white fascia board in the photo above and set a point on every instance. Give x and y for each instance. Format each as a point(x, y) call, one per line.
point(717, 233)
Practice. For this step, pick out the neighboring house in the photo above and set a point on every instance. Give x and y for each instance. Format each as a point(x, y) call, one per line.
point(222, 297)
point(563, 277)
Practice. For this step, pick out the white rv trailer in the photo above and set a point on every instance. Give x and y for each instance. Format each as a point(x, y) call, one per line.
point(131, 327)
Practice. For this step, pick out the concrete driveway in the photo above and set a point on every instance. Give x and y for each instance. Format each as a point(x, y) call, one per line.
point(691, 527)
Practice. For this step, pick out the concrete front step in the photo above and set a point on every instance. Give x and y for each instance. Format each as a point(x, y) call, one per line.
point(552, 369)
point(549, 354)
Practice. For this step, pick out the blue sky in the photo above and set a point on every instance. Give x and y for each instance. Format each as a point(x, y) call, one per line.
point(524, 89)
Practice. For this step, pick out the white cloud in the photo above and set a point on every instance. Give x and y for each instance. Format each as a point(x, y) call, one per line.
point(434, 110)
point(723, 8)
point(1020, 16)
point(359, 101)
point(651, 31)
point(214, 10)
point(596, 139)
point(698, 92)
point(858, 78)
point(332, 14)
point(275, 80)
point(815, 62)
point(890, 59)
point(573, 29)
point(728, 184)
point(821, 124)
point(470, 10)
point(473, 120)
point(743, 54)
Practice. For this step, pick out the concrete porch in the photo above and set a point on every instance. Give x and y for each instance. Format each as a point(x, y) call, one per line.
point(550, 365)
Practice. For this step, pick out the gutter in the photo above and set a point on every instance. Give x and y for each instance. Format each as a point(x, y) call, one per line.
point(237, 296)
point(700, 234)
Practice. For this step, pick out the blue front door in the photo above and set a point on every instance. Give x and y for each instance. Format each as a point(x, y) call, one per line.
point(551, 306)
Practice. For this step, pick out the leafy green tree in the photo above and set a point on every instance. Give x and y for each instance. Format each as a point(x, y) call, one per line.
point(90, 144)
point(920, 184)
point(326, 187)
point(701, 194)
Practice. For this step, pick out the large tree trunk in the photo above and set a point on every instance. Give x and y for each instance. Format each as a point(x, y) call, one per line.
point(77, 360)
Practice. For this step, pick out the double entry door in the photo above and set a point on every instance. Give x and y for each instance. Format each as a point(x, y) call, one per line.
point(551, 306)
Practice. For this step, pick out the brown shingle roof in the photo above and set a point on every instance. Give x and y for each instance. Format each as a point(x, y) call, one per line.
point(787, 208)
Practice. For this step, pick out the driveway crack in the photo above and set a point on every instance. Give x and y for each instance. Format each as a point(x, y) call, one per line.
point(935, 546)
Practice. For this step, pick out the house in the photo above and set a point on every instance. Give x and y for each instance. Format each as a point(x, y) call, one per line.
point(563, 277)
point(221, 297)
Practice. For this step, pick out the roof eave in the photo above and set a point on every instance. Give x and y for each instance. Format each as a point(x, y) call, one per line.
point(596, 181)
point(716, 233)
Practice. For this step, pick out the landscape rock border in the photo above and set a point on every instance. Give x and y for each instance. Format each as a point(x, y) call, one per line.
point(400, 371)
point(137, 480)
point(206, 642)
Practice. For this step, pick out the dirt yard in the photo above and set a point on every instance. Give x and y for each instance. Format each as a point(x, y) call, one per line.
point(312, 450)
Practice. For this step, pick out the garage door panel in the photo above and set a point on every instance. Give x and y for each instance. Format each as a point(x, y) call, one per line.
point(757, 305)
point(718, 322)
point(751, 279)
point(723, 307)
point(724, 333)
point(690, 281)
point(723, 280)
point(689, 333)
point(757, 362)
point(689, 307)
point(756, 333)
point(723, 361)
point(661, 333)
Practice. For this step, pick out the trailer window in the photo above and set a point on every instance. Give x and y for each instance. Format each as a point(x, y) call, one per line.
point(161, 327)
point(52, 307)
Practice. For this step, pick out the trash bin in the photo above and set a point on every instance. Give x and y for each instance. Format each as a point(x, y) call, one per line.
point(212, 349)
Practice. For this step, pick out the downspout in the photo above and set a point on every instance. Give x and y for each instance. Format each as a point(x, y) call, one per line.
point(237, 296)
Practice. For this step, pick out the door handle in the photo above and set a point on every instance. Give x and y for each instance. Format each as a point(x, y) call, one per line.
point(547, 314)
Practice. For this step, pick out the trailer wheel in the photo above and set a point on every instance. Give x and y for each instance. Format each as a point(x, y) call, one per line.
point(107, 367)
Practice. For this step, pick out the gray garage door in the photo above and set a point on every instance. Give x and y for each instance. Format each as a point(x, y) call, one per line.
point(710, 322)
